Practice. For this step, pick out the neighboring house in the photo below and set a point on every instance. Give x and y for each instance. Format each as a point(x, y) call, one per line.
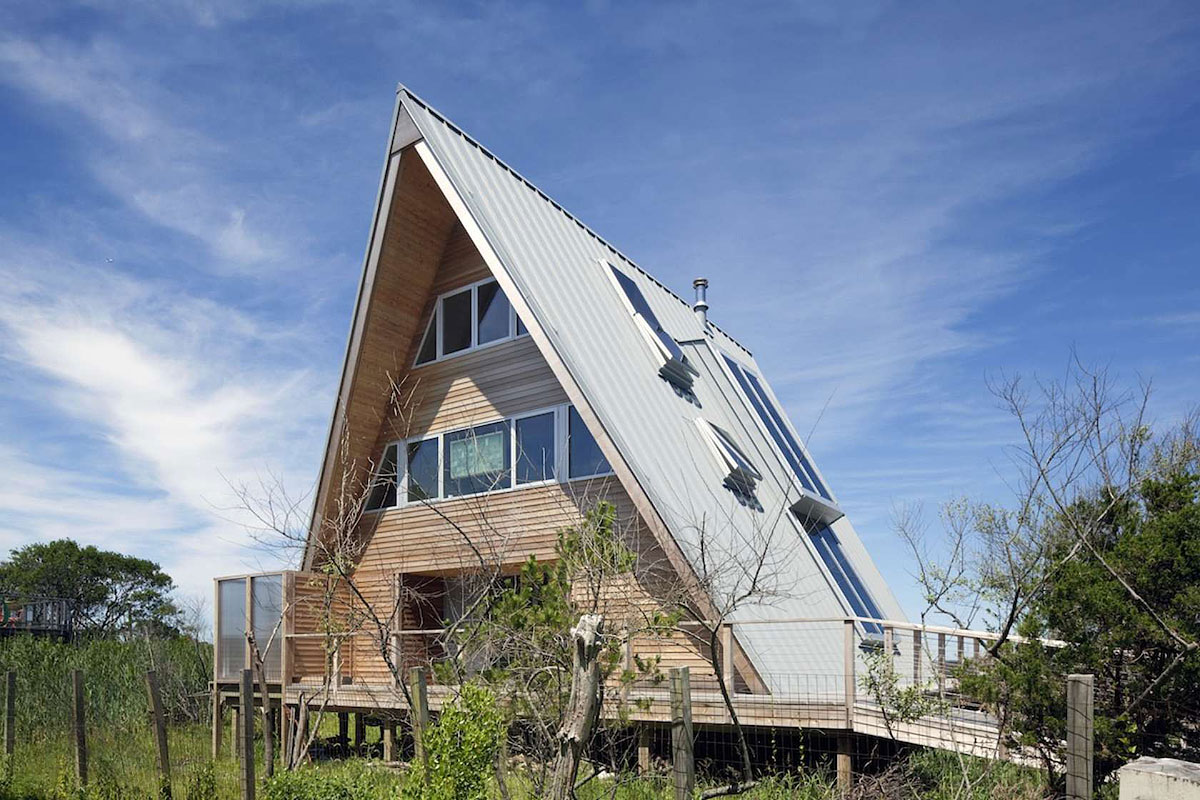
point(538, 371)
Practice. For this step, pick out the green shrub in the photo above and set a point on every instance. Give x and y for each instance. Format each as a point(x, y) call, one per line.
point(462, 747)
point(352, 780)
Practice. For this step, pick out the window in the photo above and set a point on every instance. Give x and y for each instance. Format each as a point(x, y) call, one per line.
point(456, 322)
point(777, 427)
point(535, 448)
point(847, 580)
point(466, 319)
point(584, 456)
point(383, 488)
point(422, 477)
point(231, 627)
point(675, 368)
point(492, 313)
point(514, 452)
point(476, 460)
point(741, 474)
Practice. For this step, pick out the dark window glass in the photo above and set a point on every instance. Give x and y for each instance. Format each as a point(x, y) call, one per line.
point(847, 579)
point(423, 470)
point(642, 308)
point(456, 322)
point(775, 425)
point(429, 343)
point(583, 454)
point(383, 488)
point(477, 460)
point(521, 329)
point(535, 448)
point(493, 313)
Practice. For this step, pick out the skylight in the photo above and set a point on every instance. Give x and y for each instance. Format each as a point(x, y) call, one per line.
point(675, 368)
point(851, 585)
point(777, 427)
point(742, 475)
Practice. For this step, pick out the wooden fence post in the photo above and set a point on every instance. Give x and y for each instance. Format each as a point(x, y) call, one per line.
point(643, 749)
point(1080, 696)
point(159, 722)
point(420, 713)
point(218, 710)
point(79, 723)
point(389, 739)
point(845, 764)
point(10, 712)
point(682, 758)
point(246, 714)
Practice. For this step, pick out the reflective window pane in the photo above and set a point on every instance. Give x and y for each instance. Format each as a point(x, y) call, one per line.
point(535, 448)
point(429, 343)
point(231, 627)
point(456, 322)
point(423, 470)
point(383, 487)
point(583, 454)
point(267, 593)
point(477, 459)
point(493, 313)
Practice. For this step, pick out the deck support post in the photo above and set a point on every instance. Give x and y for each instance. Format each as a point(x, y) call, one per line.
point(1079, 736)
point(683, 762)
point(643, 750)
point(218, 719)
point(388, 727)
point(845, 774)
point(360, 730)
point(848, 667)
point(420, 712)
point(344, 729)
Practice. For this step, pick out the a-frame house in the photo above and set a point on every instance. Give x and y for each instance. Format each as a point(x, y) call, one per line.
point(507, 367)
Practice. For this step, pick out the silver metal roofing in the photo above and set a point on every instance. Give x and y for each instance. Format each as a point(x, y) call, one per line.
point(556, 263)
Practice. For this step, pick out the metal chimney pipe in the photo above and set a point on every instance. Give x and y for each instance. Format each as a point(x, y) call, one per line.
point(701, 305)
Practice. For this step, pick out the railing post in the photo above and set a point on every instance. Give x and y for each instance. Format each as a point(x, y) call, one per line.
point(918, 647)
point(727, 656)
point(246, 715)
point(418, 690)
point(77, 718)
point(941, 662)
point(1080, 696)
point(159, 722)
point(683, 762)
point(848, 670)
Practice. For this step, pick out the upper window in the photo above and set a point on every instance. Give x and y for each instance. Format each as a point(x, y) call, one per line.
point(829, 547)
point(468, 318)
point(741, 475)
point(675, 366)
point(518, 451)
point(777, 427)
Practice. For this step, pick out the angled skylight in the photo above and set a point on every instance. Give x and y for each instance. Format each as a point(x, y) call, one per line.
point(742, 476)
point(675, 366)
point(777, 427)
point(844, 575)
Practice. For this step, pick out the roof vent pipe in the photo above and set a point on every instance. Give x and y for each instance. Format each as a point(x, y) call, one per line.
point(701, 306)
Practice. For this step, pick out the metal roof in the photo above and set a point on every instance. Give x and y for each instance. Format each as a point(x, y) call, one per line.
point(557, 265)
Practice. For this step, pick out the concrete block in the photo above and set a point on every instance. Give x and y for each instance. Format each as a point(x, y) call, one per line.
point(1159, 779)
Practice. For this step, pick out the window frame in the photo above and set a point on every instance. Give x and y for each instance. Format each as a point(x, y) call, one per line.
point(676, 370)
point(827, 497)
point(561, 412)
point(729, 453)
point(436, 322)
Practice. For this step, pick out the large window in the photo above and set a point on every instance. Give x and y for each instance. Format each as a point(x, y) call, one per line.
point(675, 367)
point(466, 319)
point(777, 427)
point(847, 579)
point(524, 450)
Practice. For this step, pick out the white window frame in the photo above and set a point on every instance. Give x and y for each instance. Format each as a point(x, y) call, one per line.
point(561, 474)
point(727, 459)
point(665, 358)
point(438, 329)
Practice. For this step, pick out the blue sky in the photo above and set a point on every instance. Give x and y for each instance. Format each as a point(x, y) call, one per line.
point(891, 201)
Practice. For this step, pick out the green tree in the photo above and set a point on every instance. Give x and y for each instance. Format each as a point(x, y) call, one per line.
point(109, 593)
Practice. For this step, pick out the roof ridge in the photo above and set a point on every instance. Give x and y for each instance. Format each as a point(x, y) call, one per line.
point(402, 89)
